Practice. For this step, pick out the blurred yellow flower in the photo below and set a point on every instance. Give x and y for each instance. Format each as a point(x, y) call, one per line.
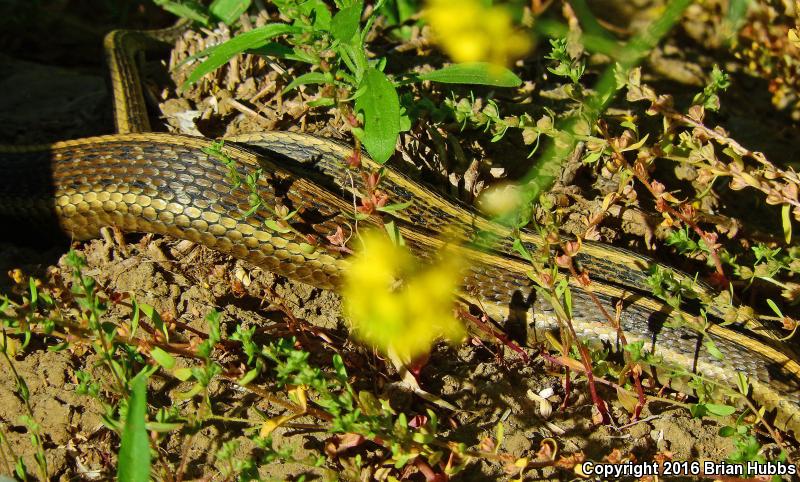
point(470, 31)
point(394, 303)
point(501, 199)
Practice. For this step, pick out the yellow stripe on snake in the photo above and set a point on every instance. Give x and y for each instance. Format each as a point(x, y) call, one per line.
point(169, 184)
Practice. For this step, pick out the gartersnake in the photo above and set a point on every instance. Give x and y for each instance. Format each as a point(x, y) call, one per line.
point(173, 184)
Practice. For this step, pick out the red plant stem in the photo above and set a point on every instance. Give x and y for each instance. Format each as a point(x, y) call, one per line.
point(426, 470)
point(556, 361)
point(697, 229)
point(642, 400)
point(502, 337)
point(641, 177)
point(587, 363)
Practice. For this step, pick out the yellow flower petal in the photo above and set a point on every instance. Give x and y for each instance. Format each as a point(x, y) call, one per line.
point(393, 301)
point(469, 31)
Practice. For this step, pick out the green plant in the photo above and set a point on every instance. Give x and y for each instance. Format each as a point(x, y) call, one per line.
point(352, 416)
point(334, 47)
point(134, 449)
point(227, 11)
point(567, 65)
point(30, 422)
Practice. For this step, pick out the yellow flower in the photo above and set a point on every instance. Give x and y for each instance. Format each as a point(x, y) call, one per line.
point(501, 199)
point(470, 31)
point(394, 303)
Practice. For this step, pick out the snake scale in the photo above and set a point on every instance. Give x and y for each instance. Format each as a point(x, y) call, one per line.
point(140, 181)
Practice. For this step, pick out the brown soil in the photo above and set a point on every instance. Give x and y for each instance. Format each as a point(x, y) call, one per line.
point(189, 280)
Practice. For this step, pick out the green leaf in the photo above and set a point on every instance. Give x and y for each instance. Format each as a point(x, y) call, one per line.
point(422, 438)
point(637, 145)
point(229, 10)
point(636, 349)
point(248, 377)
point(273, 225)
point(221, 54)
point(630, 125)
point(191, 10)
point(742, 383)
point(520, 248)
point(592, 157)
point(134, 450)
point(774, 307)
point(358, 93)
point(317, 11)
point(196, 388)
point(390, 208)
point(398, 11)
point(475, 73)
point(394, 233)
point(212, 318)
point(290, 215)
point(21, 469)
point(339, 368)
point(381, 108)
point(787, 223)
point(151, 313)
point(134, 319)
point(275, 49)
point(163, 358)
point(737, 9)
point(162, 427)
point(59, 347)
point(720, 410)
point(727, 431)
point(32, 288)
point(323, 102)
point(698, 410)
point(713, 350)
point(345, 23)
point(405, 121)
point(499, 433)
point(309, 78)
point(182, 374)
point(22, 389)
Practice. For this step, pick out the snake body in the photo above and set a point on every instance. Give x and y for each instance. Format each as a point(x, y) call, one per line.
point(170, 184)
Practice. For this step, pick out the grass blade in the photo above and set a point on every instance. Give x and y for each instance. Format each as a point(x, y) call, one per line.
point(475, 73)
point(253, 39)
point(134, 451)
point(228, 10)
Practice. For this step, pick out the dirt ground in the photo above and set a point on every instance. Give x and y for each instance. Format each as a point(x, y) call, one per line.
point(189, 280)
